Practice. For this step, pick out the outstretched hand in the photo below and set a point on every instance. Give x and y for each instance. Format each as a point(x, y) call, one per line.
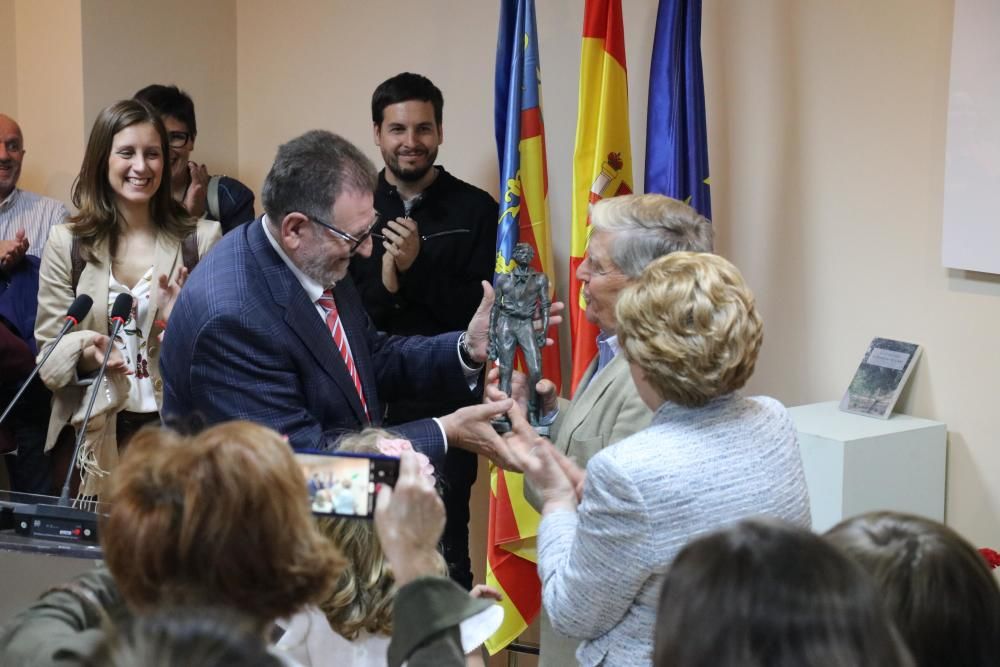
point(478, 333)
point(556, 481)
point(93, 356)
point(546, 390)
point(470, 428)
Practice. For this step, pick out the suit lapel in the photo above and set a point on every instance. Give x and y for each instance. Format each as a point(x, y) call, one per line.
point(94, 280)
point(301, 315)
point(592, 392)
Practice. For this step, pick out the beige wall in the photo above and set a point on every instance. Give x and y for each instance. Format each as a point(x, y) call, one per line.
point(128, 45)
point(8, 59)
point(827, 129)
point(49, 93)
point(70, 59)
point(826, 125)
point(827, 133)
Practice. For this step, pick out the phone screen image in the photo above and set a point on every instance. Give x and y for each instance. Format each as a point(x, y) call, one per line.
point(343, 484)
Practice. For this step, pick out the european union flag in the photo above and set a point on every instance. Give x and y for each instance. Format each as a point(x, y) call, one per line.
point(676, 139)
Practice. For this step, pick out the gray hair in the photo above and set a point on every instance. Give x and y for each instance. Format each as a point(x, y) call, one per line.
point(311, 171)
point(649, 226)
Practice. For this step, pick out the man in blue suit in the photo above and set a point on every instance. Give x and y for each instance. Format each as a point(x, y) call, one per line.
point(270, 328)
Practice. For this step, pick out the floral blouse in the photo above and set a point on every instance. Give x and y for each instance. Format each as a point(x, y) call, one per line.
point(132, 344)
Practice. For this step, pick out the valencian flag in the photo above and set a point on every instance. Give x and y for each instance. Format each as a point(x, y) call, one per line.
point(676, 139)
point(602, 161)
point(524, 217)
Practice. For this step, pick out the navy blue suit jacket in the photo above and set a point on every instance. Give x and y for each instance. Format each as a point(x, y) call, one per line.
point(245, 342)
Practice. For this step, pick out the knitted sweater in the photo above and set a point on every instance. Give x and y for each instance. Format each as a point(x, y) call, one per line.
point(692, 471)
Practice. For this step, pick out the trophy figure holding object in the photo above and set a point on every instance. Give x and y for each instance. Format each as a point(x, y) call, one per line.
point(522, 296)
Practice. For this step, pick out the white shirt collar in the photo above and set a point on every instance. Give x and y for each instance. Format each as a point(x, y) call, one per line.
point(312, 288)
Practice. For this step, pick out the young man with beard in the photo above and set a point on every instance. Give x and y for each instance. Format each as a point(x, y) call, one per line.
point(435, 244)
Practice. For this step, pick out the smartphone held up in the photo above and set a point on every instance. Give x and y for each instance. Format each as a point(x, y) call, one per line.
point(344, 484)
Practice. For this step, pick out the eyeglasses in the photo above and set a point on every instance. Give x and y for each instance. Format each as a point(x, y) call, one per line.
point(178, 139)
point(354, 241)
point(597, 270)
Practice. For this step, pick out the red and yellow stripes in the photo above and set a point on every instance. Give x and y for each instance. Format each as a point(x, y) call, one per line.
point(602, 160)
point(511, 556)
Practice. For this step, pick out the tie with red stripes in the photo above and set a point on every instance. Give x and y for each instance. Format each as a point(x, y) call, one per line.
point(333, 322)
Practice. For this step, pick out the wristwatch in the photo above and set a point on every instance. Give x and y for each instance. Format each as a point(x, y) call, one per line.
point(465, 351)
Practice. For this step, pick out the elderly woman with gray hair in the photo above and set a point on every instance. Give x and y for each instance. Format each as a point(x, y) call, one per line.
point(690, 332)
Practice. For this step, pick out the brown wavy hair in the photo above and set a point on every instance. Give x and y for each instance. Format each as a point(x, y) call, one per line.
point(364, 593)
point(218, 518)
point(764, 593)
point(98, 217)
point(936, 586)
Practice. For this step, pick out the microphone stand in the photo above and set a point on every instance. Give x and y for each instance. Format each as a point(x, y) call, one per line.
point(64, 496)
point(69, 324)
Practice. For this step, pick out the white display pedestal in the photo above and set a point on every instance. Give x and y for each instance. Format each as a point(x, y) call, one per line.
point(857, 464)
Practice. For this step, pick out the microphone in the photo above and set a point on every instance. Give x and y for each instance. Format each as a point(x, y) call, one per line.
point(120, 312)
point(77, 311)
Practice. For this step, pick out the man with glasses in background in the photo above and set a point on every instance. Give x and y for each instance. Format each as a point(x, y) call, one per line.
point(426, 267)
point(270, 328)
point(213, 197)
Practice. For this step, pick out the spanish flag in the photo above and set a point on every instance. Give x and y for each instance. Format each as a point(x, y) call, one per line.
point(602, 160)
point(524, 217)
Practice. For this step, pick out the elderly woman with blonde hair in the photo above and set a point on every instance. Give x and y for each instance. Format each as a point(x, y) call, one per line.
point(690, 331)
point(352, 626)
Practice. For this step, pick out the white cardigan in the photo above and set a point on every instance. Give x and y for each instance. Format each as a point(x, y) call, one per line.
point(693, 470)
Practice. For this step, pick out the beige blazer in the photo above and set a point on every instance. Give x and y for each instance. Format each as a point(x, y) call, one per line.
point(55, 294)
point(607, 410)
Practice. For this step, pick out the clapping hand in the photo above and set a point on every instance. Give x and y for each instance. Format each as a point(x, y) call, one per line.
point(402, 241)
point(168, 291)
point(196, 196)
point(558, 480)
point(12, 251)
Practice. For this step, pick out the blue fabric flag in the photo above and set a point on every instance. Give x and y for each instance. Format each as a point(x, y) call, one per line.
point(508, 86)
point(676, 139)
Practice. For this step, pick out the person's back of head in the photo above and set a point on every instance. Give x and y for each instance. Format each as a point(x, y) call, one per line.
point(767, 594)
point(219, 518)
point(363, 596)
point(937, 587)
point(184, 637)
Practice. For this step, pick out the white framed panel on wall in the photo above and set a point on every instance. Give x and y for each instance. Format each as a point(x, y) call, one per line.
point(971, 235)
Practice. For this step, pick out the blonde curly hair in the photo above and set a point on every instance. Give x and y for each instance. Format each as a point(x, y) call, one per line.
point(364, 592)
point(691, 324)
